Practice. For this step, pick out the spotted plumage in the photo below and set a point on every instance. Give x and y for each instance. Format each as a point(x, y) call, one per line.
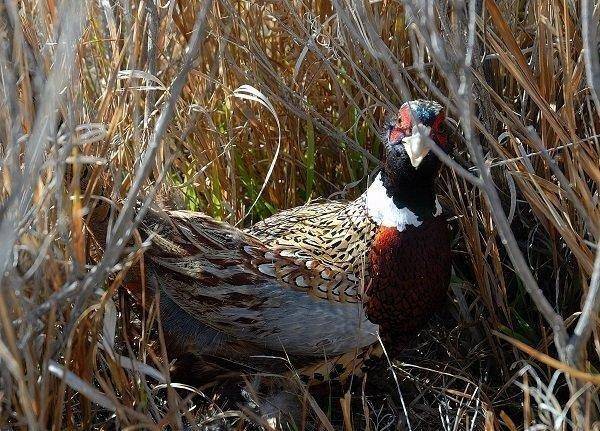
point(317, 284)
point(400, 312)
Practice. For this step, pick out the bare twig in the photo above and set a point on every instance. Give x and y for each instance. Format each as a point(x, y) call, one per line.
point(589, 315)
point(589, 33)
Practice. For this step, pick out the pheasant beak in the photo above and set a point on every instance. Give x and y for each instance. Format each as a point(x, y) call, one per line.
point(415, 145)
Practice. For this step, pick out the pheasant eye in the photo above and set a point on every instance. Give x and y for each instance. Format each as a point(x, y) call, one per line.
point(442, 128)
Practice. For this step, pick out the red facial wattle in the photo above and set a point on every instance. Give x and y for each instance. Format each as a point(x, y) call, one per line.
point(403, 125)
point(437, 135)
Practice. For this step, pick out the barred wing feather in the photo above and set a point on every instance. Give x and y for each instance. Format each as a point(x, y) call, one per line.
point(233, 282)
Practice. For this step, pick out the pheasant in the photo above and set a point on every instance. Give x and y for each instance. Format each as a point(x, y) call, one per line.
point(324, 280)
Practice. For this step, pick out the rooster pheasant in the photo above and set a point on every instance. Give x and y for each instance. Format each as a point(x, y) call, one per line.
point(323, 280)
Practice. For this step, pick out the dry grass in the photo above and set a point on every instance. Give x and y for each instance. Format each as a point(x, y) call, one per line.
point(93, 103)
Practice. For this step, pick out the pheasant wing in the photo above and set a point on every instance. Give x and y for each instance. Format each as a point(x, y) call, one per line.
point(235, 283)
point(335, 234)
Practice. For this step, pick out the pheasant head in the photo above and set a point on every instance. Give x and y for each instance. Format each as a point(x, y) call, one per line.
point(409, 167)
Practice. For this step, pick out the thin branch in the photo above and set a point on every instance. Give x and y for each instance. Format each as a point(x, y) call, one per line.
point(589, 33)
point(589, 314)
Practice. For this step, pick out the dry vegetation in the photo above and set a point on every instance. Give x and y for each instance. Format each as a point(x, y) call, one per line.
point(113, 97)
